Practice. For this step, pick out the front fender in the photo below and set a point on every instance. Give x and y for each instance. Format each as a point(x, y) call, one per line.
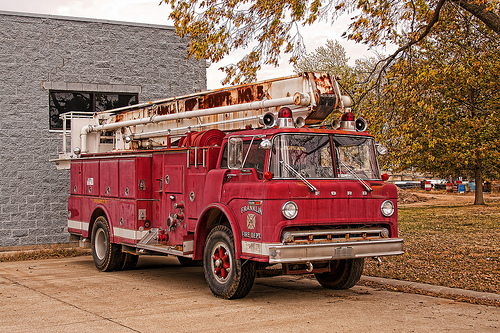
point(207, 221)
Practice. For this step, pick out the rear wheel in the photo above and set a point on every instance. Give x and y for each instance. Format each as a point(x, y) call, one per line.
point(129, 261)
point(226, 276)
point(107, 256)
point(343, 275)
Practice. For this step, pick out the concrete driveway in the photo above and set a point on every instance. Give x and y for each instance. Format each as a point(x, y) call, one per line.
point(70, 295)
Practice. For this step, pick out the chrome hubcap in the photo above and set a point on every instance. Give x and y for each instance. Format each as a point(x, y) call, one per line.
point(100, 244)
point(221, 262)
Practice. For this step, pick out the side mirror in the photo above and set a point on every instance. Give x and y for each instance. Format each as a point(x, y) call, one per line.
point(381, 149)
point(235, 152)
point(266, 144)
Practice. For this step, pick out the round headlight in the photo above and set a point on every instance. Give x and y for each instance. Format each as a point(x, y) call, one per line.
point(387, 208)
point(289, 210)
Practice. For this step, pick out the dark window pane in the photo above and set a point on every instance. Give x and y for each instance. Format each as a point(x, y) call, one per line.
point(255, 157)
point(112, 101)
point(62, 102)
point(223, 161)
point(66, 101)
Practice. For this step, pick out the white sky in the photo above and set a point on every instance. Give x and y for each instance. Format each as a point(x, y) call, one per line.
point(148, 11)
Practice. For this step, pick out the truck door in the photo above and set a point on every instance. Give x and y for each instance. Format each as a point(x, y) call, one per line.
point(168, 172)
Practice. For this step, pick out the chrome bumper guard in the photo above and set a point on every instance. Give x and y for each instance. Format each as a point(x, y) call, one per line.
point(297, 253)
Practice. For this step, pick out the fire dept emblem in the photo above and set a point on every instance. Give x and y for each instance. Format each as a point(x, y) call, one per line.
point(251, 221)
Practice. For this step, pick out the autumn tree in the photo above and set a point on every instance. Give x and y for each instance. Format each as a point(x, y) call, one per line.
point(331, 58)
point(270, 28)
point(436, 98)
point(357, 80)
point(440, 109)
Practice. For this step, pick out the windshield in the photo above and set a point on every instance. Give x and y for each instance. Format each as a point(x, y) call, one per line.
point(355, 155)
point(323, 156)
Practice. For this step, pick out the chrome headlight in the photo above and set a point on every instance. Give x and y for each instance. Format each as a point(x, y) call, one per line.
point(387, 208)
point(289, 210)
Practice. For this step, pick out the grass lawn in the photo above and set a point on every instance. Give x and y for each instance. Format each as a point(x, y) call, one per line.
point(452, 246)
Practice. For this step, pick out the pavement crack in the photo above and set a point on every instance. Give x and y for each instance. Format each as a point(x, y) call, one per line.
point(69, 304)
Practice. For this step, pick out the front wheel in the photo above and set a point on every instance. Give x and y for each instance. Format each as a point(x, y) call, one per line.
point(344, 274)
point(107, 256)
point(226, 276)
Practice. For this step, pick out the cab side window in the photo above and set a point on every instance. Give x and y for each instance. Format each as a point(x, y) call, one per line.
point(255, 157)
point(223, 160)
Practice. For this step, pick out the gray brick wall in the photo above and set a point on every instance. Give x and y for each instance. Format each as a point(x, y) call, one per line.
point(36, 49)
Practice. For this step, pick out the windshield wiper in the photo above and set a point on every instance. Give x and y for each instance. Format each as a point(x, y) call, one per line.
point(290, 168)
point(355, 175)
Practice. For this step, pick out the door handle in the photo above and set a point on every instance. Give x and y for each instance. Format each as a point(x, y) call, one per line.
point(161, 184)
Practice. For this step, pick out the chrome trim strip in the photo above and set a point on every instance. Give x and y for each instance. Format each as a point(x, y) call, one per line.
point(257, 248)
point(78, 225)
point(129, 234)
point(163, 249)
point(283, 253)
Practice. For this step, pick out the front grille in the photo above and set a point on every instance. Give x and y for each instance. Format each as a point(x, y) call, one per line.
point(333, 235)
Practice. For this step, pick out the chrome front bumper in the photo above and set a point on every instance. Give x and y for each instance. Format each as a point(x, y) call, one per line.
point(297, 253)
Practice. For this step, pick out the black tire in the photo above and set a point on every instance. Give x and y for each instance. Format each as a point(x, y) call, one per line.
point(188, 262)
point(343, 275)
point(107, 256)
point(226, 276)
point(129, 261)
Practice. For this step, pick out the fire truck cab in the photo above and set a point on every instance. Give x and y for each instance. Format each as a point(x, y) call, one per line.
point(266, 189)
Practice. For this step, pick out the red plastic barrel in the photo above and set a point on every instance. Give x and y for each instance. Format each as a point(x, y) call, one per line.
point(427, 185)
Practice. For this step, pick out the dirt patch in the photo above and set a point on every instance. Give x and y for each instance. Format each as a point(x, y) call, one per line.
point(420, 198)
point(406, 197)
point(43, 254)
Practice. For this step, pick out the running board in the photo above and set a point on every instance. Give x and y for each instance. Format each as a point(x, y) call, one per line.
point(150, 243)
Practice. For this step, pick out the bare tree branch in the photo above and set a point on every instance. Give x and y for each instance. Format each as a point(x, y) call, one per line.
point(388, 61)
point(428, 28)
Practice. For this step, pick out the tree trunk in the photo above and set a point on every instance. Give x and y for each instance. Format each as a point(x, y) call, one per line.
point(478, 173)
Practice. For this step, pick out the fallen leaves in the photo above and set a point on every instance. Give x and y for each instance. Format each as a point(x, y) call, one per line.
point(44, 254)
point(448, 246)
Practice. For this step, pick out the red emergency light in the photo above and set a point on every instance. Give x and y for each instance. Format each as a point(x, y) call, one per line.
point(349, 123)
point(285, 113)
point(285, 119)
point(348, 116)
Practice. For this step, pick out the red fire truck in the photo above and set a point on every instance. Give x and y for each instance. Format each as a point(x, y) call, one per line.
point(247, 180)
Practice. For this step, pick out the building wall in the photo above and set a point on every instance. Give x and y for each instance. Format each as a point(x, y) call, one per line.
point(40, 52)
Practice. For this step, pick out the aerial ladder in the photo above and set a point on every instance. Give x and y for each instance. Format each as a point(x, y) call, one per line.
point(310, 96)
